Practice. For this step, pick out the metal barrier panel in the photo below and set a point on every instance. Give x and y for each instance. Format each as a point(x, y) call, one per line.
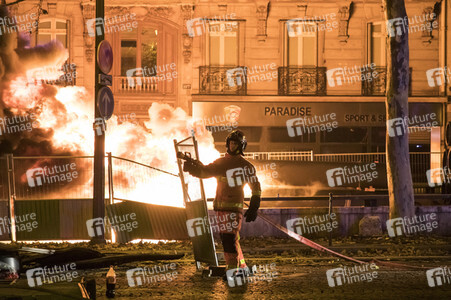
point(60, 219)
point(204, 251)
point(139, 182)
point(74, 213)
point(3, 179)
point(47, 218)
point(4, 221)
point(53, 177)
point(152, 221)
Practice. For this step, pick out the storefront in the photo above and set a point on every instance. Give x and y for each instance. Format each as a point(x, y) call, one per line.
point(326, 127)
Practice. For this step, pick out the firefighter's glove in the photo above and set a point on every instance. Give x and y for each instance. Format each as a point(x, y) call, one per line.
point(251, 212)
point(192, 167)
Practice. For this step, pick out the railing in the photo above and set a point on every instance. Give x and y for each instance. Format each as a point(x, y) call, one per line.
point(133, 180)
point(70, 177)
point(420, 162)
point(225, 80)
point(293, 155)
point(302, 81)
point(137, 84)
point(377, 85)
point(350, 157)
point(64, 187)
point(51, 177)
point(416, 158)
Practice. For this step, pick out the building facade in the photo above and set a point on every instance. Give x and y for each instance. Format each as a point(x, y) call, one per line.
point(265, 63)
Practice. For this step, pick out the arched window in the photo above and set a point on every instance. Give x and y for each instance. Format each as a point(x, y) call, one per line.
point(57, 29)
point(147, 60)
point(139, 48)
point(52, 29)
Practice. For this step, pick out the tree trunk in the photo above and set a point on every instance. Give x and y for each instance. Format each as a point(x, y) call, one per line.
point(399, 177)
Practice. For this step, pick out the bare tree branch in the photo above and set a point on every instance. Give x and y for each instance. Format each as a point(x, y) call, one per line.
point(12, 3)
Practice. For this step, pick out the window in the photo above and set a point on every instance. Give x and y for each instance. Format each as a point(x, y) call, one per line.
point(53, 29)
point(128, 51)
point(139, 49)
point(280, 135)
point(147, 59)
point(223, 42)
point(149, 47)
point(377, 44)
point(301, 46)
point(345, 135)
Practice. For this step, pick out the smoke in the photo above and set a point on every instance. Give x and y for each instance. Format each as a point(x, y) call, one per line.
point(18, 98)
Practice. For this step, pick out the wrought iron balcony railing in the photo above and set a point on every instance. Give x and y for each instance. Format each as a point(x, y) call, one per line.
point(224, 80)
point(377, 85)
point(302, 81)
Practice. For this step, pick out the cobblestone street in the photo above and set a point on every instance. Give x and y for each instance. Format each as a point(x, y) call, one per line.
point(295, 281)
point(297, 272)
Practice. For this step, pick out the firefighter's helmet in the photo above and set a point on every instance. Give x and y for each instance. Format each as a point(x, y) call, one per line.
point(237, 136)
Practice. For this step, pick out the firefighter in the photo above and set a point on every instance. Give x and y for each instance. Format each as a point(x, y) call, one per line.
point(232, 173)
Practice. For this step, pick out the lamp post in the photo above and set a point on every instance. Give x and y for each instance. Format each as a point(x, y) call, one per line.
point(99, 139)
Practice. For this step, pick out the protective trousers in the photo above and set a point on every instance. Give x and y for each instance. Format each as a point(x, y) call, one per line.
point(229, 229)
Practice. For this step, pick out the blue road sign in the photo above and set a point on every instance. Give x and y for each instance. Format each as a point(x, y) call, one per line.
point(105, 57)
point(105, 102)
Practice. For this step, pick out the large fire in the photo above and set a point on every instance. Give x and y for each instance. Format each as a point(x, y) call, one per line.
point(66, 115)
point(63, 125)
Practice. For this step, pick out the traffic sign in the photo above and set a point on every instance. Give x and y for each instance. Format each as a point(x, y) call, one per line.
point(105, 79)
point(105, 102)
point(105, 56)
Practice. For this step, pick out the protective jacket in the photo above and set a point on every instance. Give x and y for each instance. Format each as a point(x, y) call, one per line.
point(232, 172)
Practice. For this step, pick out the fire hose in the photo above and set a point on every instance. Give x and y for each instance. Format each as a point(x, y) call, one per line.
point(323, 249)
point(304, 240)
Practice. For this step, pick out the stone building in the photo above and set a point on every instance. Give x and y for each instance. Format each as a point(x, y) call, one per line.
point(264, 62)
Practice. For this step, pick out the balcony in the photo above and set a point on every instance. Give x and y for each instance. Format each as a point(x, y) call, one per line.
point(377, 86)
point(295, 81)
point(224, 80)
point(137, 84)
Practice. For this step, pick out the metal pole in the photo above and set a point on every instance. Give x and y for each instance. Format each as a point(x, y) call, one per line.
point(99, 139)
point(110, 178)
point(330, 218)
point(202, 191)
point(111, 193)
point(182, 177)
point(11, 197)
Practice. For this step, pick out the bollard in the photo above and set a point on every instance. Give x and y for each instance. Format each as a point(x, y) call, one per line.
point(110, 283)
